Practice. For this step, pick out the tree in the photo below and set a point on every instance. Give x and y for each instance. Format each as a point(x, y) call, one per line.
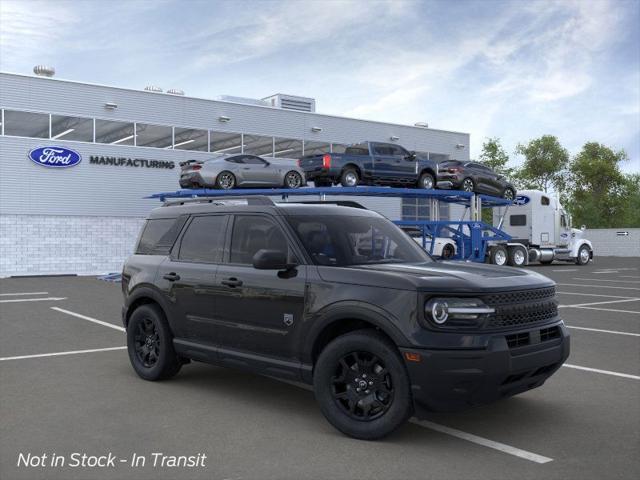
point(545, 164)
point(494, 156)
point(600, 195)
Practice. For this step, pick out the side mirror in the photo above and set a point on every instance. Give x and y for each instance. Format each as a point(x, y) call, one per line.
point(271, 260)
point(411, 156)
point(583, 227)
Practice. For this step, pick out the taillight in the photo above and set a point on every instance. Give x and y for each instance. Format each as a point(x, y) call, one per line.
point(326, 161)
point(299, 162)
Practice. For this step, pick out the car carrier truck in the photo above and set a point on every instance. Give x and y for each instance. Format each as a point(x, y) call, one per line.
point(540, 231)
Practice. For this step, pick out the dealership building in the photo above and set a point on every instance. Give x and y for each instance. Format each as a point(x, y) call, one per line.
point(85, 218)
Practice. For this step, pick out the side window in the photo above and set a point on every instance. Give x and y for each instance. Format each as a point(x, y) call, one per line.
point(158, 235)
point(238, 159)
point(518, 220)
point(544, 201)
point(398, 151)
point(253, 160)
point(252, 233)
point(563, 221)
point(204, 239)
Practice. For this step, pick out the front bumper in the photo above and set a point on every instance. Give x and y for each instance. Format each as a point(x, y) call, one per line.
point(449, 380)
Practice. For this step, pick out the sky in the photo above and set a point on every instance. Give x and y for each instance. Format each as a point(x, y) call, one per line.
point(515, 70)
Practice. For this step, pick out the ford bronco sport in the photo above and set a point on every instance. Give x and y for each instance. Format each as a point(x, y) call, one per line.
point(337, 297)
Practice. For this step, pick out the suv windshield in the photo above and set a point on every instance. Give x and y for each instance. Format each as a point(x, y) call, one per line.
point(342, 241)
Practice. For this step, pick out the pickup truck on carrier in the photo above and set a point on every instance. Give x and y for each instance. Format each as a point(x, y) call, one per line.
point(371, 163)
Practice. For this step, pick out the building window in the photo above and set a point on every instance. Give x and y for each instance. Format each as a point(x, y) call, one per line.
point(227, 143)
point(419, 209)
point(156, 136)
point(191, 139)
point(115, 133)
point(71, 128)
point(316, 148)
point(258, 145)
point(26, 124)
point(287, 148)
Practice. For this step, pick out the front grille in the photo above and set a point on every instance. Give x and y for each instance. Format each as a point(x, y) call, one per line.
point(518, 340)
point(549, 333)
point(521, 307)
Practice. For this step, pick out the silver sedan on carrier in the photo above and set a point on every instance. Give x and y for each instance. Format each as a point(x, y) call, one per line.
point(231, 171)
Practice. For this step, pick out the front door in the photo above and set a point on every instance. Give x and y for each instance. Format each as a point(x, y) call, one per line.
point(258, 311)
point(258, 171)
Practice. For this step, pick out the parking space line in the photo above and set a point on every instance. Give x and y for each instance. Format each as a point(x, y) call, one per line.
point(599, 303)
point(89, 319)
point(611, 281)
point(22, 293)
point(606, 372)
point(604, 331)
point(56, 354)
point(593, 295)
point(47, 299)
point(610, 310)
point(597, 286)
point(485, 442)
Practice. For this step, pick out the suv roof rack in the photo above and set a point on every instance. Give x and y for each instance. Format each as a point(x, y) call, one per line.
point(341, 203)
point(226, 200)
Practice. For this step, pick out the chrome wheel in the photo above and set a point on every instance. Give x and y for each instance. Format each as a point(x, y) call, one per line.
point(293, 180)
point(518, 257)
point(350, 179)
point(500, 257)
point(426, 182)
point(584, 255)
point(508, 194)
point(226, 180)
point(467, 185)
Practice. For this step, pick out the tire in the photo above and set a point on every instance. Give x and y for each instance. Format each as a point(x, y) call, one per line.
point(517, 257)
point(499, 255)
point(584, 255)
point(349, 178)
point(150, 344)
point(384, 404)
point(468, 185)
point(225, 180)
point(509, 194)
point(293, 180)
point(448, 251)
point(426, 181)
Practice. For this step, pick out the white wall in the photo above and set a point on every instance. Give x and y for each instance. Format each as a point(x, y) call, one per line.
point(53, 244)
point(607, 242)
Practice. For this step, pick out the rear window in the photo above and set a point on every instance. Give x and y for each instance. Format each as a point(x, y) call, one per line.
point(158, 235)
point(358, 149)
point(518, 220)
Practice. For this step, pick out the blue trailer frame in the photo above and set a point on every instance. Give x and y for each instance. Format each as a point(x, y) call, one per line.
point(472, 237)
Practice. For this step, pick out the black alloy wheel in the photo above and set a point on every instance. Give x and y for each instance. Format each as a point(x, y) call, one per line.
point(467, 185)
point(362, 386)
point(293, 179)
point(147, 343)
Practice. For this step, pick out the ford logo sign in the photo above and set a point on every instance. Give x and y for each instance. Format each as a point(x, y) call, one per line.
point(521, 200)
point(55, 157)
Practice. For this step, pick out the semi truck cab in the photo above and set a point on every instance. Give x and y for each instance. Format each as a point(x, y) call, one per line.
point(539, 224)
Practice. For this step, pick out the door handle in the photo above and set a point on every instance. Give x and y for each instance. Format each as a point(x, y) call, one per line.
point(232, 282)
point(172, 277)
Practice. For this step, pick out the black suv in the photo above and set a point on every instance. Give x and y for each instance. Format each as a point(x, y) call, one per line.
point(337, 297)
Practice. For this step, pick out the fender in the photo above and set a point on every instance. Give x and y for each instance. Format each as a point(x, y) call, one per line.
point(365, 312)
point(576, 246)
point(146, 290)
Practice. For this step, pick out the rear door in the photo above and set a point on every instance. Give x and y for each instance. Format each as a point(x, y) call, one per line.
point(383, 161)
point(188, 276)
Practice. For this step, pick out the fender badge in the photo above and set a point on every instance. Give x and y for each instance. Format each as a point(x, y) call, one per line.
point(288, 319)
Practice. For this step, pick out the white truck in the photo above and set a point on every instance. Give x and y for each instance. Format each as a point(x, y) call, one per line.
point(541, 232)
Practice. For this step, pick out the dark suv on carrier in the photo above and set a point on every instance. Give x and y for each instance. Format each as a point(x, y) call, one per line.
point(339, 298)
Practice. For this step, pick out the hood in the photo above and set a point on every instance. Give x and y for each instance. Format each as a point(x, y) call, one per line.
point(440, 276)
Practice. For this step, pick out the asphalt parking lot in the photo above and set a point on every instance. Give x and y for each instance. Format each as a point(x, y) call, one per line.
point(66, 386)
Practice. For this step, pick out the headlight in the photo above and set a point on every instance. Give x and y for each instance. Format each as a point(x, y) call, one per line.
point(441, 310)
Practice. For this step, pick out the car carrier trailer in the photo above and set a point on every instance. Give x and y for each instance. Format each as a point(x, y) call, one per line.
point(475, 240)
